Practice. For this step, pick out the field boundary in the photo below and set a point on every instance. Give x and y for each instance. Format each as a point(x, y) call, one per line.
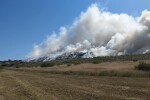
point(111, 73)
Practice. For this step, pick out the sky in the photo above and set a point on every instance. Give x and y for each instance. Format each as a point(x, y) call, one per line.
point(24, 23)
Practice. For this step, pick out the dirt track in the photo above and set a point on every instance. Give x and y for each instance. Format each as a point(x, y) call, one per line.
point(17, 85)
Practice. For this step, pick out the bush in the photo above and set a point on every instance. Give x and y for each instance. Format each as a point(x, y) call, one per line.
point(76, 63)
point(95, 62)
point(17, 66)
point(47, 64)
point(1, 67)
point(3, 64)
point(68, 64)
point(143, 66)
point(135, 60)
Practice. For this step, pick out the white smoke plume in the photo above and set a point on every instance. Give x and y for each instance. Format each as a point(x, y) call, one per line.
point(101, 32)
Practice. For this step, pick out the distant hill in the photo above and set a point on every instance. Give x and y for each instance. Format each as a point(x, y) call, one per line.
point(75, 58)
point(81, 56)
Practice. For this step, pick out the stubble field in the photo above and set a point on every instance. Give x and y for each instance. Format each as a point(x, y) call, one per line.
point(56, 84)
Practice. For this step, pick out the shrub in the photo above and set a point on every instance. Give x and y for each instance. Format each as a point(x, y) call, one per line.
point(1, 67)
point(17, 66)
point(95, 62)
point(68, 64)
point(3, 64)
point(143, 66)
point(47, 64)
point(76, 63)
point(135, 60)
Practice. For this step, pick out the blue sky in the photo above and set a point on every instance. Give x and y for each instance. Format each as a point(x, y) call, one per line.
point(24, 23)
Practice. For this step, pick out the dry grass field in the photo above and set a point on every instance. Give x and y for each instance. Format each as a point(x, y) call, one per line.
point(52, 84)
point(118, 65)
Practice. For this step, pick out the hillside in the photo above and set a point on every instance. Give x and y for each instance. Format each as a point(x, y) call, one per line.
point(76, 60)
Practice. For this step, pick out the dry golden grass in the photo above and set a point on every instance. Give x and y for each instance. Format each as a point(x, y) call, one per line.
point(107, 66)
point(31, 84)
point(43, 86)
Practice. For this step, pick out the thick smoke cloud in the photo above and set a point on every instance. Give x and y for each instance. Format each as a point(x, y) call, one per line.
point(100, 32)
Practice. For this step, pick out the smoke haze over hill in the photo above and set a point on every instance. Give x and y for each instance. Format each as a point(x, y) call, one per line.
point(101, 32)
